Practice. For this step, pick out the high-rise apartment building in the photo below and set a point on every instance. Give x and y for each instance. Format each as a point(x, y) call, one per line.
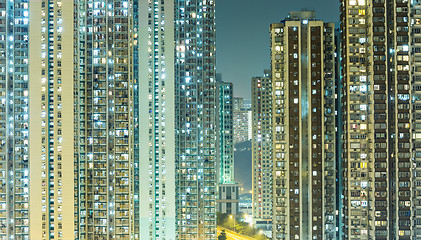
point(224, 143)
point(261, 88)
point(228, 195)
point(108, 158)
point(51, 120)
point(303, 127)
point(195, 119)
point(415, 46)
point(250, 124)
point(36, 127)
point(247, 107)
point(105, 81)
point(157, 120)
point(177, 120)
point(338, 128)
point(14, 120)
point(247, 102)
point(241, 121)
point(238, 103)
point(380, 101)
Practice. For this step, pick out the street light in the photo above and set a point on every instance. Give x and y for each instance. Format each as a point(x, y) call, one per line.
point(234, 221)
point(248, 219)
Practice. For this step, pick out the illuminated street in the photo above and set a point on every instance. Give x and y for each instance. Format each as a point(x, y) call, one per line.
point(233, 236)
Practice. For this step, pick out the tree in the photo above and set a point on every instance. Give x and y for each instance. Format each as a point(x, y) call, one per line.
point(222, 236)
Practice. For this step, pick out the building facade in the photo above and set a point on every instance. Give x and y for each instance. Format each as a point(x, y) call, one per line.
point(247, 102)
point(261, 88)
point(225, 146)
point(51, 126)
point(380, 98)
point(14, 120)
point(195, 119)
point(241, 121)
point(415, 55)
point(338, 123)
point(228, 194)
point(303, 125)
point(36, 127)
point(250, 124)
point(78, 106)
point(104, 81)
point(157, 120)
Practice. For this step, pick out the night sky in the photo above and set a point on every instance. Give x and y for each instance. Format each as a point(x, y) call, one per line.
point(243, 35)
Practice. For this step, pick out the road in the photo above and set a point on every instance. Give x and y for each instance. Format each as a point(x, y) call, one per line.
point(232, 235)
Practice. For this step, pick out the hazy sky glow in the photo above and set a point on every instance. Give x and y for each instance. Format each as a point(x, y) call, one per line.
point(243, 35)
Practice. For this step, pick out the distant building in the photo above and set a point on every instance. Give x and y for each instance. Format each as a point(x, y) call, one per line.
point(247, 104)
point(228, 190)
point(250, 124)
point(262, 151)
point(303, 78)
point(246, 204)
point(238, 103)
point(247, 107)
point(241, 121)
point(224, 143)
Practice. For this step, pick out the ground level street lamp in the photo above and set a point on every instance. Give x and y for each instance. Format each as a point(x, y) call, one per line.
point(232, 217)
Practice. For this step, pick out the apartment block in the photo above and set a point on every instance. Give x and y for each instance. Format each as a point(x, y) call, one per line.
point(241, 121)
point(156, 137)
point(36, 127)
point(14, 120)
point(195, 119)
point(228, 195)
point(225, 151)
point(262, 150)
point(104, 85)
point(108, 120)
point(303, 127)
point(380, 116)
